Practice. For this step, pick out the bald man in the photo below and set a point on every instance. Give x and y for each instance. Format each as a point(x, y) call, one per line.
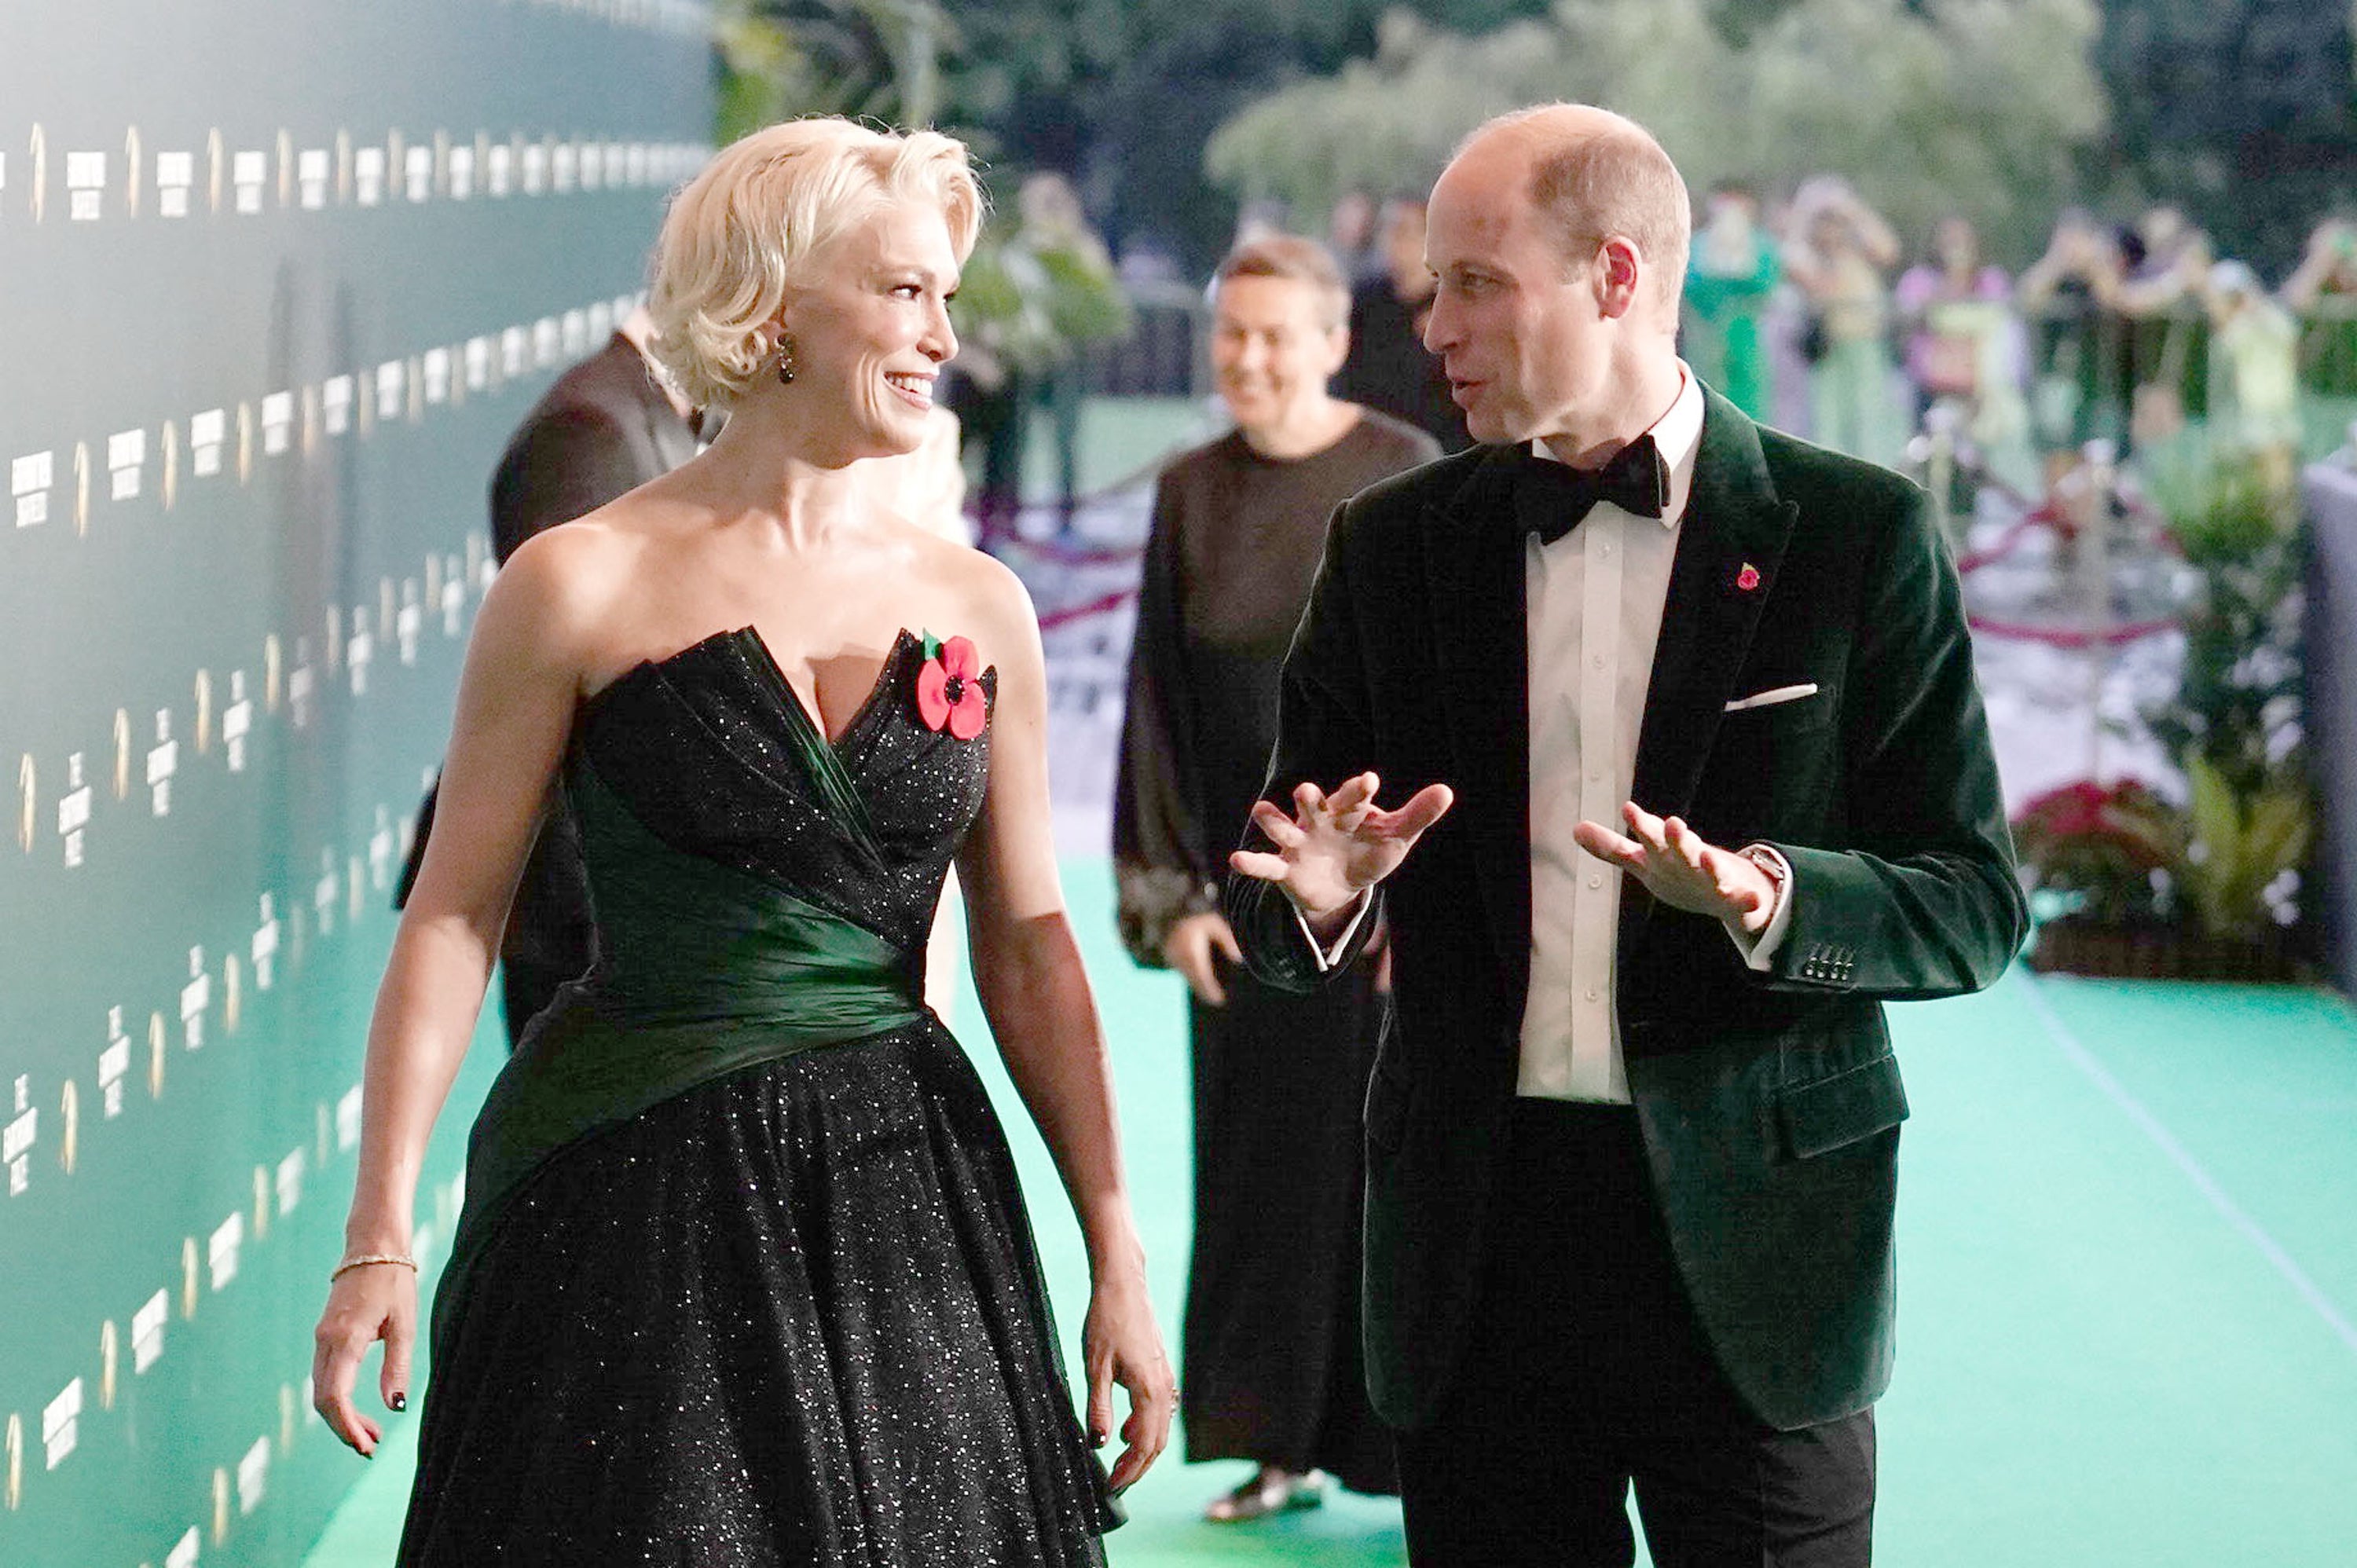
point(1655, 735)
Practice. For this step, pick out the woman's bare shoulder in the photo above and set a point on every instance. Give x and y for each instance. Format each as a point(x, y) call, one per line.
point(566, 581)
point(987, 589)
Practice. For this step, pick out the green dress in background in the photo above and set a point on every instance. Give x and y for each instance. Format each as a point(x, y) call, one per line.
point(1723, 314)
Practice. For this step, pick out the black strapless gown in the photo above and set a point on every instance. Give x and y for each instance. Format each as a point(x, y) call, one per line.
point(744, 1276)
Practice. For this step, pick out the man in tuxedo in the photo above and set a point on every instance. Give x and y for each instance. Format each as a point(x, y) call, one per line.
point(1692, 788)
point(603, 428)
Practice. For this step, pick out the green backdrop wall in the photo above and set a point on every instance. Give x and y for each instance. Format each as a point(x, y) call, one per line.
point(276, 279)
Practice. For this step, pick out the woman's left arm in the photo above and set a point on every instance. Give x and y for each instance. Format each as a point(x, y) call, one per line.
point(1027, 972)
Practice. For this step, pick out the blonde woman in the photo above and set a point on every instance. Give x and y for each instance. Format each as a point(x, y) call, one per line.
point(744, 1276)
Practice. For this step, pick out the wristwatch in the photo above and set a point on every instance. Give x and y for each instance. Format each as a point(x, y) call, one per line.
point(1778, 874)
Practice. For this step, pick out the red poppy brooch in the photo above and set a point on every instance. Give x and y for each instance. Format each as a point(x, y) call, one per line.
point(949, 688)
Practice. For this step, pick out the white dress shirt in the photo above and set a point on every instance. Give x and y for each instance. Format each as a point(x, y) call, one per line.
point(1593, 600)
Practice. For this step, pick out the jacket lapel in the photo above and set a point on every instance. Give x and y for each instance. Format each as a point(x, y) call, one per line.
point(1473, 561)
point(1730, 546)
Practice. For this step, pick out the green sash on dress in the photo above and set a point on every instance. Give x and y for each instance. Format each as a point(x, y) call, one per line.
point(702, 971)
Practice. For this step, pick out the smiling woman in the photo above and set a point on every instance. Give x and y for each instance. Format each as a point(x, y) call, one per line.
point(754, 226)
point(740, 1223)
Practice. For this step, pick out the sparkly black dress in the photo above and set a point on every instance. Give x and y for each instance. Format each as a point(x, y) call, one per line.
point(744, 1276)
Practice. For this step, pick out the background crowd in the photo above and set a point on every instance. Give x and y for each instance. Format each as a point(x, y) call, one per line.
point(1816, 318)
point(1814, 313)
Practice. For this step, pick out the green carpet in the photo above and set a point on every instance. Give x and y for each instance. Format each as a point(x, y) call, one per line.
point(2128, 1271)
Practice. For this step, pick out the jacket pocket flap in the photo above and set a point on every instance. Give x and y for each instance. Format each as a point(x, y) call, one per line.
point(1852, 1104)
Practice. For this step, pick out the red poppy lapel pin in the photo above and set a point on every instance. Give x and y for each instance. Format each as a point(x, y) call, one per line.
point(949, 688)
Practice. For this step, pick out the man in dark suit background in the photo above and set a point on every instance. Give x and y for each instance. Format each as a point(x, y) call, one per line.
point(1701, 782)
point(602, 429)
point(1389, 368)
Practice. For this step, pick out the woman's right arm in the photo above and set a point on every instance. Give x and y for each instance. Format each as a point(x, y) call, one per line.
point(515, 705)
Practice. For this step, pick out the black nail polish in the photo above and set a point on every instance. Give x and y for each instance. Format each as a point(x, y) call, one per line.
point(399, 1402)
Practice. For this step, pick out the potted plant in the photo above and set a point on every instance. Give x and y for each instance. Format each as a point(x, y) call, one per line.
point(2129, 881)
point(2102, 861)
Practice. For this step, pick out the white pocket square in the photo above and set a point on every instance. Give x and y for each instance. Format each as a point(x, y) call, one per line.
point(1773, 695)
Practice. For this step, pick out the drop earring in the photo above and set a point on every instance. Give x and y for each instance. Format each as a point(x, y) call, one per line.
point(785, 361)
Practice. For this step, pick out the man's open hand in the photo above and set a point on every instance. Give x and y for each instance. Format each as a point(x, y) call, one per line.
point(1681, 870)
point(1334, 847)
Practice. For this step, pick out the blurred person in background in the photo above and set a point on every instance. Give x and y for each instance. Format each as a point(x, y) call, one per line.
point(1730, 281)
point(1004, 338)
point(2254, 374)
point(2165, 344)
point(1963, 344)
point(2327, 267)
point(2322, 293)
point(2067, 298)
point(1035, 296)
point(1084, 304)
point(1389, 368)
point(1270, 1363)
point(1840, 260)
point(1351, 234)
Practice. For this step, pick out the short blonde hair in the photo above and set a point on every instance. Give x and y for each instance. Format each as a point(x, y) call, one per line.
point(1595, 174)
point(740, 234)
point(1303, 260)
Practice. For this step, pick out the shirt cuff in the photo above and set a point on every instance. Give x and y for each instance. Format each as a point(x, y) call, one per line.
point(1331, 954)
point(1759, 949)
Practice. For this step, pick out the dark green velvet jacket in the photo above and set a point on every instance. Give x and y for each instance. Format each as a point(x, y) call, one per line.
point(1770, 1102)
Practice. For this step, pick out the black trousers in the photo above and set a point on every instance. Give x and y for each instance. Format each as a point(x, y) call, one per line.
point(1585, 1375)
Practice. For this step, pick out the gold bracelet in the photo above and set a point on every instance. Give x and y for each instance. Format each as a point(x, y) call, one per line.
point(365, 1258)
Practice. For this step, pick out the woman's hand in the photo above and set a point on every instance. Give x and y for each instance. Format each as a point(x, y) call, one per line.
point(1121, 1345)
point(375, 1301)
point(1035, 993)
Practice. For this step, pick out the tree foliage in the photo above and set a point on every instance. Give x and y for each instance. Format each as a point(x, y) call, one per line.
point(1118, 94)
point(2239, 111)
point(1974, 106)
point(877, 58)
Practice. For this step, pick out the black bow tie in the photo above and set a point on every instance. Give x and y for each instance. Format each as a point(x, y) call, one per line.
point(1551, 497)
